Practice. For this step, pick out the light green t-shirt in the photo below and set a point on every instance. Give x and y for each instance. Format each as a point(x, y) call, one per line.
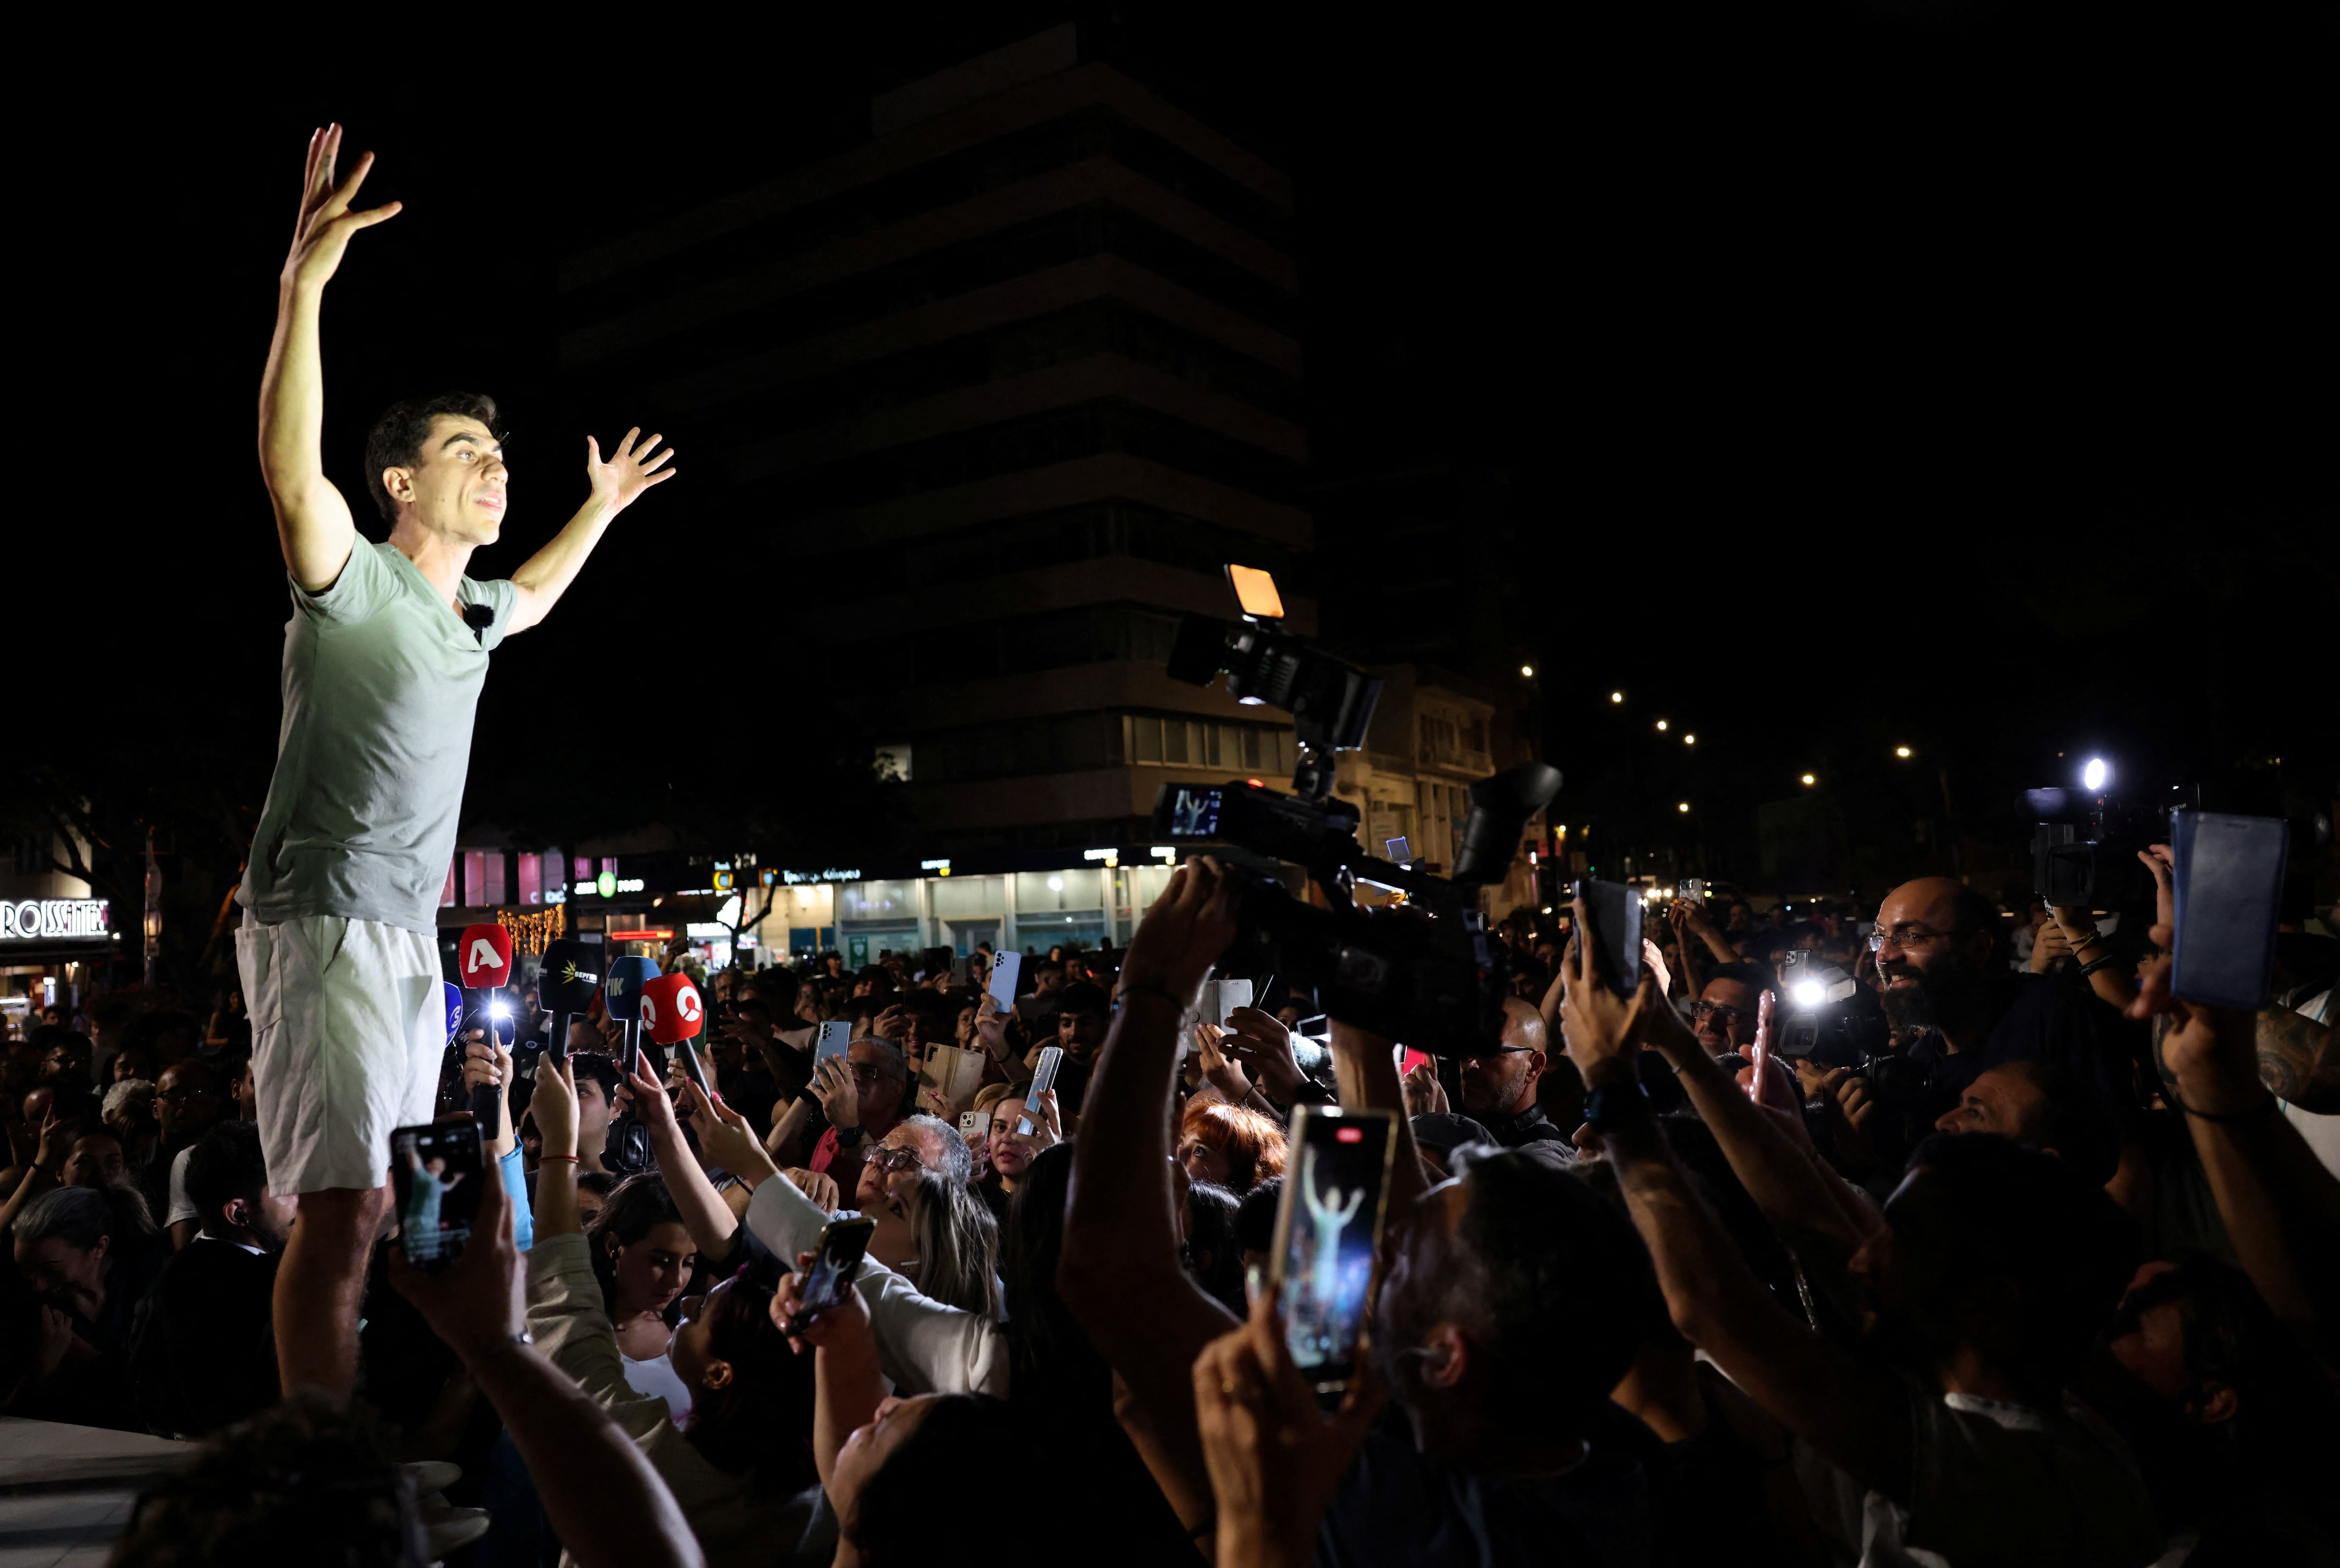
point(381, 683)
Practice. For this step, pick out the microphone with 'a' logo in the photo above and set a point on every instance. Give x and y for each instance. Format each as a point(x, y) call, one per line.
point(484, 957)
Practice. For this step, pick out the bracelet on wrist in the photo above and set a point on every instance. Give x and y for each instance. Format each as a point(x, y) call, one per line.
point(2267, 1106)
point(573, 1160)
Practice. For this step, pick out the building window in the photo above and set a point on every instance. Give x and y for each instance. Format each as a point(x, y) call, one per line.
point(531, 877)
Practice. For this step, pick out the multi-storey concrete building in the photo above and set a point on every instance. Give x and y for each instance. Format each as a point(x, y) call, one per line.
point(1010, 382)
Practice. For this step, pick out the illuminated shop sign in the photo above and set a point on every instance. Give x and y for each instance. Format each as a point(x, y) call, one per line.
point(39, 919)
point(796, 878)
point(610, 885)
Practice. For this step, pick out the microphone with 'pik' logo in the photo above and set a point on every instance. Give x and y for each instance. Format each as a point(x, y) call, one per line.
point(622, 991)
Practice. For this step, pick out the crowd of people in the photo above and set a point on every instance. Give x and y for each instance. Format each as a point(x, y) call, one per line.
point(1933, 1231)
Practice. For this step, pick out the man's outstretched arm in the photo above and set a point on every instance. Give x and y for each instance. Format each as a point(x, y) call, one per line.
point(312, 520)
point(617, 484)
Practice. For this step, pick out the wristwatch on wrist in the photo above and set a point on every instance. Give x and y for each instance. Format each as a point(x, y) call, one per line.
point(1611, 1106)
point(849, 1136)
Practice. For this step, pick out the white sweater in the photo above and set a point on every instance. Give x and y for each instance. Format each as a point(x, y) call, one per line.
point(924, 1346)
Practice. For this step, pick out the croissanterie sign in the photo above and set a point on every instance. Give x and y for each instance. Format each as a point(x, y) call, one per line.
point(36, 919)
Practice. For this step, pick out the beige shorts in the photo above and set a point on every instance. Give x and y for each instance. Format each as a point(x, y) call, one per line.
point(348, 1030)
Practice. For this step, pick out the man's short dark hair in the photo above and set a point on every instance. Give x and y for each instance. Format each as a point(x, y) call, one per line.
point(1541, 1263)
point(598, 1067)
point(1256, 1217)
point(1754, 976)
point(2034, 1219)
point(1084, 997)
point(2073, 1120)
point(397, 437)
point(301, 1481)
point(225, 1164)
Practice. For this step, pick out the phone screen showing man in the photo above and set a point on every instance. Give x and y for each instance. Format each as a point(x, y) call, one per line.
point(1328, 1225)
point(436, 1171)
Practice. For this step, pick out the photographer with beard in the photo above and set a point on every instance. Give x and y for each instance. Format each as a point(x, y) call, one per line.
point(1954, 1009)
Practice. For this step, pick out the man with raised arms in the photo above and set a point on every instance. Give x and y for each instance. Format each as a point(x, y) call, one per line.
point(383, 659)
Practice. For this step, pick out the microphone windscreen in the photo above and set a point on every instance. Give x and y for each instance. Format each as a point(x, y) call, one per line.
point(671, 1009)
point(454, 998)
point(623, 988)
point(485, 958)
point(568, 979)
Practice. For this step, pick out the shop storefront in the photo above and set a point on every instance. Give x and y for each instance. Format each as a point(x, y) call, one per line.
point(52, 952)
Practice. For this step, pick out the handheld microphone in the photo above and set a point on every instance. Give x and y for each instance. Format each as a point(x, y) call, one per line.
point(674, 1012)
point(486, 961)
point(622, 991)
point(455, 996)
point(565, 985)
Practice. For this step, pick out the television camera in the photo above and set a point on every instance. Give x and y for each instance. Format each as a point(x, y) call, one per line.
point(1421, 969)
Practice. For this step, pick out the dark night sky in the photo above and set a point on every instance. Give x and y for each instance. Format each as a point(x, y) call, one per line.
point(1850, 377)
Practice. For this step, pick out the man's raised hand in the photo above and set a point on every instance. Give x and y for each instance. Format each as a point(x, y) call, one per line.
point(631, 467)
point(325, 224)
point(1183, 935)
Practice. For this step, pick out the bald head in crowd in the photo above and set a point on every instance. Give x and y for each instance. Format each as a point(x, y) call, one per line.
point(1503, 1082)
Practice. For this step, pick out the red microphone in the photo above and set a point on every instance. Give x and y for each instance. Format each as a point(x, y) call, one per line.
point(673, 1013)
point(485, 958)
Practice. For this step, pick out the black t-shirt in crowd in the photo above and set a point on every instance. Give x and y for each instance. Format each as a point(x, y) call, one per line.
point(2041, 1019)
point(205, 1353)
point(1396, 1505)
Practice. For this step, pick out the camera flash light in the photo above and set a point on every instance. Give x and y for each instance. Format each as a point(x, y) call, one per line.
point(2093, 775)
point(1810, 992)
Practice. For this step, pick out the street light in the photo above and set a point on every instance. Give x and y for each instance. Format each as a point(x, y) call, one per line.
point(1662, 724)
point(1616, 697)
point(1810, 779)
point(1683, 807)
point(1900, 751)
point(1689, 739)
point(1528, 670)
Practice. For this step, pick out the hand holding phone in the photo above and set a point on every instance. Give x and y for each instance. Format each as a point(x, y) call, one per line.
point(1044, 1078)
point(828, 1271)
point(1328, 1231)
point(834, 1035)
point(436, 1171)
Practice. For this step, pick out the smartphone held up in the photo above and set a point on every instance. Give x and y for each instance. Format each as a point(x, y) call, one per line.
point(436, 1175)
point(1328, 1230)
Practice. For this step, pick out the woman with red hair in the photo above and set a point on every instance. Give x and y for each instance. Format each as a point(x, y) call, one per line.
point(1229, 1146)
